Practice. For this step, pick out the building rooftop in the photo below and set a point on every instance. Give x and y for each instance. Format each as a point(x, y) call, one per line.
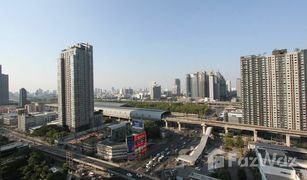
point(91, 140)
point(110, 104)
point(116, 126)
point(132, 113)
point(108, 142)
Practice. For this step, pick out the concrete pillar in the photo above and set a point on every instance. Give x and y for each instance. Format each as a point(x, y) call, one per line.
point(204, 128)
point(166, 124)
point(255, 136)
point(226, 130)
point(288, 140)
point(179, 126)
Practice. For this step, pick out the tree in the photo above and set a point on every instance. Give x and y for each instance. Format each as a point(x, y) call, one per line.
point(51, 132)
point(239, 142)
point(228, 142)
point(199, 109)
point(36, 168)
point(152, 130)
point(56, 176)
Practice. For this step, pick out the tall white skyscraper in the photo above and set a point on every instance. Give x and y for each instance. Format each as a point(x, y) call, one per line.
point(274, 89)
point(228, 86)
point(75, 87)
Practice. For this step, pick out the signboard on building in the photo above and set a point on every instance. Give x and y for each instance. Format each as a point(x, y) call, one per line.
point(138, 124)
point(137, 145)
point(140, 140)
point(130, 143)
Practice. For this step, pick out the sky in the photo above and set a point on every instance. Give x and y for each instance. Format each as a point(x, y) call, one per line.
point(137, 42)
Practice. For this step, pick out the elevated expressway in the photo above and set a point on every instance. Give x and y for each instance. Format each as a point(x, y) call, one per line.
point(181, 119)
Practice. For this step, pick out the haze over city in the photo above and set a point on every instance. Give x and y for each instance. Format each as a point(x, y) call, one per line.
point(137, 42)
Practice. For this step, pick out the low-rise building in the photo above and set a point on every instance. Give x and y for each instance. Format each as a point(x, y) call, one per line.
point(234, 116)
point(112, 151)
point(279, 162)
point(98, 118)
point(7, 109)
point(27, 121)
point(34, 107)
point(10, 119)
point(89, 145)
point(119, 132)
point(137, 145)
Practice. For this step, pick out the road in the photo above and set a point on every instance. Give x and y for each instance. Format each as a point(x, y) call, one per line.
point(178, 117)
point(78, 158)
point(169, 149)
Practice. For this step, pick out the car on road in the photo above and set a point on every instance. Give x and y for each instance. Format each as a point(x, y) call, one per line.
point(129, 175)
point(139, 175)
point(197, 168)
point(91, 174)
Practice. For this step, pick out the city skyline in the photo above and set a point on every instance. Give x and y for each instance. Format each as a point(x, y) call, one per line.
point(129, 37)
point(146, 90)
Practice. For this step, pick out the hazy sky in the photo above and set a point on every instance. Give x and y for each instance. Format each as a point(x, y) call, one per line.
point(140, 41)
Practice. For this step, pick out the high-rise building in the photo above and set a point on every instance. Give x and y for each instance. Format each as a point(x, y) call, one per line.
point(228, 86)
point(188, 85)
point(238, 88)
point(177, 87)
point(75, 87)
point(4, 88)
point(126, 92)
point(22, 97)
point(155, 93)
point(197, 85)
point(213, 90)
point(274, 89)
point(217, 86)
point(203, 84)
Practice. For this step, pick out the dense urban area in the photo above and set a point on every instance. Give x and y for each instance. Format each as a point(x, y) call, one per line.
point(205, 126)
point(207, 132)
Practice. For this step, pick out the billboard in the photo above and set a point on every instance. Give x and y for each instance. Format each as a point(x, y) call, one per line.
point(130, 143)
point(137, 145)
point(140, 140)
point(138, 124)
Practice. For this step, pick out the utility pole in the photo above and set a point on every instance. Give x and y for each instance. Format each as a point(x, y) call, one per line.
point(69, 160)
